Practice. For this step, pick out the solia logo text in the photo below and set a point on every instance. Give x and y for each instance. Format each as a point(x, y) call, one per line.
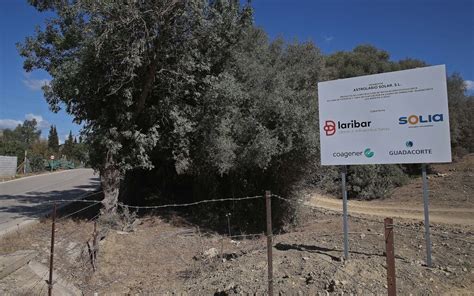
point(330, 126)
point(420, 119)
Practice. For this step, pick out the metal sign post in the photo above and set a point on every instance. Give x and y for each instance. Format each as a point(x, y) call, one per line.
point(427, 215)
point(344, 212)
point(51, 162)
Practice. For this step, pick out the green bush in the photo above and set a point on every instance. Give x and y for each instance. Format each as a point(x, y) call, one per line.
point(374, 181)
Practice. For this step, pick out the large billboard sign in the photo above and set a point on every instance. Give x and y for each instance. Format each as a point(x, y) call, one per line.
point(395, 117)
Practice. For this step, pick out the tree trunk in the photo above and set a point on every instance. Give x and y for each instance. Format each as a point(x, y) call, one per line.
point(110, 180)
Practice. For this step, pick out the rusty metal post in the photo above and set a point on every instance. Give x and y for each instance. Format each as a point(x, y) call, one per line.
point(390, 256)
point(95, 247)
point(222, 248)
point(228, 223)
point(95, 234)
point(268, 204)
point(51, 258)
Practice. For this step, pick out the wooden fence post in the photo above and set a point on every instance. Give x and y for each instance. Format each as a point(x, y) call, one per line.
point(390, 255)
point(268, 204)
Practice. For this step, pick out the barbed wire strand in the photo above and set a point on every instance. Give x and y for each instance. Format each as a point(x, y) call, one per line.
point(78, 199)
point(34, 275)
point(41, 278)
point(70, 233)
point(45, 284)
point(190, 204)
point(70, 250)
point(78, 211)
point(30, 279)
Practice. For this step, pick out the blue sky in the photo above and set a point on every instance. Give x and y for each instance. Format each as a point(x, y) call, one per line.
point(438, 32)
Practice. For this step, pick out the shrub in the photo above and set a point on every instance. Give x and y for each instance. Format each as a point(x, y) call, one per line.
point(374, 181)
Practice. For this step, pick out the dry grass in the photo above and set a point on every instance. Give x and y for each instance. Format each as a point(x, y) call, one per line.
point(166, 256)
point(27, 238)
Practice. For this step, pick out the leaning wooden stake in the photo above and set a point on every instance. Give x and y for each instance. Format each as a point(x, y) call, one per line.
point(268, 203)
point(390, 255)
point(50, 282)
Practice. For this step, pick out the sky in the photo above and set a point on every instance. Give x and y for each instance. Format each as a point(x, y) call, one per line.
point(438, 32)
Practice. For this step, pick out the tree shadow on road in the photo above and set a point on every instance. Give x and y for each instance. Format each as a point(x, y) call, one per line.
point(38, 204)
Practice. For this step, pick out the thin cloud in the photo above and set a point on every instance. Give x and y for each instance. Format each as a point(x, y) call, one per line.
point(469, 85)
point(62, 139)
point(35, 84)
point(328, 38)
point(9, 123)
point(42, 123)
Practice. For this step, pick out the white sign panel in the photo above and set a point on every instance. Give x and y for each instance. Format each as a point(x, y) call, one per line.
point(396, 117)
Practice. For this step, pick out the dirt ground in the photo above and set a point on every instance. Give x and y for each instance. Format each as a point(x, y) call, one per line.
point(171, 256)
point(165, 258)
point(451, 188)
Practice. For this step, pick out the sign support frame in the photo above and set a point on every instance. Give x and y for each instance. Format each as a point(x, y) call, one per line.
point(426, 201)
point(344, 212)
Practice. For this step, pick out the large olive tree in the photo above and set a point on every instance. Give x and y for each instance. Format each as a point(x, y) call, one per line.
point(131, 71)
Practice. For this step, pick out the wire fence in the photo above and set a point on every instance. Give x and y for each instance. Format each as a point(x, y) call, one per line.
point(92, 256)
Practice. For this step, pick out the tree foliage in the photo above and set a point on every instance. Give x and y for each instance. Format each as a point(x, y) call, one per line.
point(24, 138)
point(68, 147)
point(15, 142)
point(461, 116)
point(111, 61)
point(53, 139)
point(190, 96)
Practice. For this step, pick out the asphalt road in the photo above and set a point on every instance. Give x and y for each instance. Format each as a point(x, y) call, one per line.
point(22, 200)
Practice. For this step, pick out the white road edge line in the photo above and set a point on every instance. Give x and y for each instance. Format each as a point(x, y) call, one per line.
point(39, 175)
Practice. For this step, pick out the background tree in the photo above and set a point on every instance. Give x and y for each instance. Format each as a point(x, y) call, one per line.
point(68, 147)
point(461, 116)
point(37, 154)
point(28, 132)
point(362, 60)
point(22, 138)
point(15, 142)
point(254, 128)
point(53, 139)
point(11, 144)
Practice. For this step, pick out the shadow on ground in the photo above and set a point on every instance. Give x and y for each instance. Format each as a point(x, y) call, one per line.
point(38, 204)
